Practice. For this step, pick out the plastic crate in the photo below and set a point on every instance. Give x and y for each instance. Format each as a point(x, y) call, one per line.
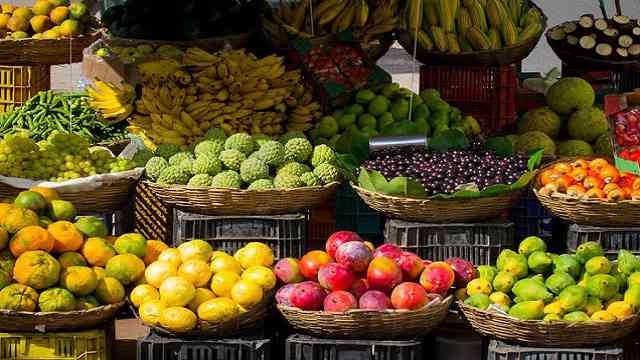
point(530, 217)
point(487, 93)
point(479, 243)
point(151, 217)
point(285, 234)
point(19, 83)
point(502, 351)
point(155, 347)
point(353, 214)
point(85, 345)
point(611, 239)
point(301, 347)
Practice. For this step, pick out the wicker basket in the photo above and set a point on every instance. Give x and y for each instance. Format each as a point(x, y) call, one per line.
point(589, 211)
point(24, 321)
point(246, 322)
point(107, 199)
point(220, 201)
point(368, 324)
point(439, 211)
point(547, 334)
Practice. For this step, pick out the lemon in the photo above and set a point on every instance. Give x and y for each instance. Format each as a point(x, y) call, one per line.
point(223, 282)
point(260, 275)
point(158, 271)
point(202, 295)
point(178, 319)
point(143, 293)
point(196, 271)
point(195, 249)
point(151, 310)
point(171, 255)
point(225, 262)
point(176, 291)
point(218, 310)
point(246, 293)
point(255, 255)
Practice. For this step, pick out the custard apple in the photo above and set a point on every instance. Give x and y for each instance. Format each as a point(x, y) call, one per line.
point(261, 139)
point(261, 184)
point(323, 154)
point(298, 150)
point(272, 153)
point(291, 135)
point(215, 134)
point(142, 156)
point(253, 169)
point(327, 173)
point(311, 179)
point(205, 164)
point(287, 181)
point(232, 159)
point(227, 179)
point(177, 158)
point(209, 147)
point(166, 150)
point(242, 142)
point(154, 167)
point(201, 180)
point(186, 165)
point(173, 175)
point(294, 168)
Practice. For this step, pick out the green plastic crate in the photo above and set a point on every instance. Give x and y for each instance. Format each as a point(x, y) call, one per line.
point(355, 215)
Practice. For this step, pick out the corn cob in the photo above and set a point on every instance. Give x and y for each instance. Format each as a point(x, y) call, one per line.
point(464, 44)
point(530, 31)
point(463, 21)
point(446, 11)
point(452, 43)
point(476, 11)
point(414, 15)
point(430, 13)
point(439, 38)
point(424, 41)
point(496, 12)
point(478, 39)
point(494, 39)
point(509, 32)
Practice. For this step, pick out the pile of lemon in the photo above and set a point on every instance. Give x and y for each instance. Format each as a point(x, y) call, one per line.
point(194, 282)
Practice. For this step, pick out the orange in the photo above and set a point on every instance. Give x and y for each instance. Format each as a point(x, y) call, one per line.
point(97, 251)
point(143, 293)
point(31, 238)
point(154, 248)
point(66, 236)
point(109, 291)
point(37, 269)
point(127, 268)
point(71, 258)
point(176, 291)
point(80, 280)
point(47, 193)
point(16, 219)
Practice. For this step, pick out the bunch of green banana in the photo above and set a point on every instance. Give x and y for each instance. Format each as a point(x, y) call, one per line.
point(460, 26)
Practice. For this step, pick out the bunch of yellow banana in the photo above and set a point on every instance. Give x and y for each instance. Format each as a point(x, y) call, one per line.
point(230, 89)
point(309, 18)
point(114, 103)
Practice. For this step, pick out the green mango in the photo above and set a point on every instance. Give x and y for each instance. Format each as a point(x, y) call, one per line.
point(567, 263)
point(576, 316)
point(539, 262)
point(503, 282)
point(597, 265)
point(487, 272)
point(557, 282)
point(528, 310)
point(530, 289)
point(573, 298)
point(530, 245)
point(632, 296)
point(627, 262)
point(587, 250)
point(551, 317)
point(602, 286)
point(537, 277)
point(623, 283)
point(633, 279)
point(593, 304)
point(517, 265)
point(480, 301)
point(502, 257)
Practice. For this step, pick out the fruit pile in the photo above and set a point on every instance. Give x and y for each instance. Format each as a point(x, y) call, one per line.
point(50, 111)
point(627, 134)
point(351, 274)
point(589, 179)
point(446, 26)
point(391, 110)
point(46, 19)
point(242, 161)
point(192, 282)
point(61, 157)
point(445, 172)
point(608, 39)
point(338, 63)
point(49, 263)
point(299, 19)
point(533, 284)
point(234, 90)
point(584, 133)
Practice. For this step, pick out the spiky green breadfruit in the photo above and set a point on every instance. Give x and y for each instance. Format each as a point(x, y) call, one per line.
point(272, 153)
point(227, 179)
point(291, 135)
point(253, 169)
point(186, 165)
point(323, 154)
point(142, 156)
point(176, 159)
point(242, 142)
point(261, 184)
point(205, 164)
point(166, 150)
point(231, 159)
point(327, 173)
point(173, 175)
point(574, 148)
point(298, 149)
point(311, 179)
point(287, 181)
point(294, 168)
point(200, 180)
point(154, 167)
point(209, 147)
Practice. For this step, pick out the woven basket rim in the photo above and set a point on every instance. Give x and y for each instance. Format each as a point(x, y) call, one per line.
point(409, 199)
point(437, 301)
point(242, 191)
point(101, 308)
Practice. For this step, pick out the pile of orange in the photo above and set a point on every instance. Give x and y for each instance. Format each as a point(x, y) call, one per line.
point(589, 179)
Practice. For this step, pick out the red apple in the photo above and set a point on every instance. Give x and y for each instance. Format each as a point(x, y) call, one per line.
point(340, 301)
point(288, 271)
point(334, 277)
point(437, 277)
point(388, 250)
point(409, 296)
point(411, 266)
point(355, 255)
point(383, 274)
point(283, 295)
point(308, 295)
point(374, 300)
point(311, 263)
point(338, 238)
point(359, 287)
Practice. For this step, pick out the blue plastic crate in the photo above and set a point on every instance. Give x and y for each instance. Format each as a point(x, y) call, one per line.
point(353, 214)
point(530, 217)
